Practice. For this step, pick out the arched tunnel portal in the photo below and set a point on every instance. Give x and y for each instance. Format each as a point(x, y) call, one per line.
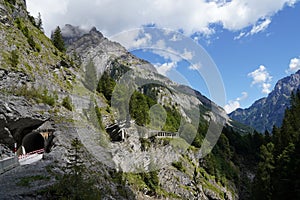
point(33, 141)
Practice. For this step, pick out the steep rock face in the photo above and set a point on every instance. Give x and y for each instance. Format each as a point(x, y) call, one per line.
point(269, 111)
point(17, 118)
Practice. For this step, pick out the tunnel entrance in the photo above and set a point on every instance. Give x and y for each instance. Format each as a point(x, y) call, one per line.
point(33, 141)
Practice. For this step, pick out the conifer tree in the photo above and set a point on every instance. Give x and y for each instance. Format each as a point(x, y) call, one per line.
point(74, 184)
point(262, 188)
point(106, 85)
point(38, 22)
point(57, 39)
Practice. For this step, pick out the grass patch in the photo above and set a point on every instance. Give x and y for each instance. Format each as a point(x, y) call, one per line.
point(66, 102)
point(178, 165)
point(39, 95)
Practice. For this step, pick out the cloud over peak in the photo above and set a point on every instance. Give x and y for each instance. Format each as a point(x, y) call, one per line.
point(262, 78)
point(235, 104)
point(294, 65)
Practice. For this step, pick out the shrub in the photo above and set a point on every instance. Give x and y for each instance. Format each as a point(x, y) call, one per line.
point(99, 117)
point(12, 2)
point(39, 95)
point(178, 165)
point(67, 103)
point(14, 58)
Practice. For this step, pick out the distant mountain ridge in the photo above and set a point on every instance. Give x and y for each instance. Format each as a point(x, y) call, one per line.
point(264, 113)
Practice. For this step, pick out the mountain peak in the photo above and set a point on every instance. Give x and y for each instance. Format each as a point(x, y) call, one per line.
point(264, 113)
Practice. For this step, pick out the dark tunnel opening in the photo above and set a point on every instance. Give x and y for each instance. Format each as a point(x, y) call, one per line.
point(33, 141)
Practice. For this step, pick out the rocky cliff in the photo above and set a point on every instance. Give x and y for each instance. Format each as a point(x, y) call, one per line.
point(269, 111)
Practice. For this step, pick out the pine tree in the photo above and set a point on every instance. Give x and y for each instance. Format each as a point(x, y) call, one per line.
point(38, 22)
point(57, 39)
point(73, 184)
point(262, 188)
point(106, 85)
point(278, 173)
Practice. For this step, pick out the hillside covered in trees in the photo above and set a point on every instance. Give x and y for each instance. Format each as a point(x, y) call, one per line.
point(278, 172)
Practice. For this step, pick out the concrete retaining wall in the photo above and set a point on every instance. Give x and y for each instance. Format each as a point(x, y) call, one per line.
point(8, 163)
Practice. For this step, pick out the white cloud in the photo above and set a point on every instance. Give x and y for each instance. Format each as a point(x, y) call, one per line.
point(294, 65)
point(262, 78)
point(196, 66)
point(260, 27)
point(114, 16)
point(188, 55)
point(165, 68)
point(266, 88)
point(235, 104)
point(243, 97)
point(231, 106)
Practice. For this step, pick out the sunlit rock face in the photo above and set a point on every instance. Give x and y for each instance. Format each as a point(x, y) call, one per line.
point(269, 111)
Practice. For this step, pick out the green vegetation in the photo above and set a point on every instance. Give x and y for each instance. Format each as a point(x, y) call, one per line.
point(173, 119)
point(278, 172)
point(178, 165)
point(12, 2)
point(106, 85)
point(99, 116)
point(30, 39)
point(139, 107)
point(145, 144)
point(38, 22)
point(74, 183)
point(38, 94)
point(67, 103)
point(14, 59)
point(57, 40)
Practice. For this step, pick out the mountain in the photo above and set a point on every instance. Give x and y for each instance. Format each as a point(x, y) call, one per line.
point(138, 134)
point(266, 112)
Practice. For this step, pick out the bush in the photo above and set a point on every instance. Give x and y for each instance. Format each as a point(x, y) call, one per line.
point(67, 103)
point(99, 117)
point(145, 144)
point(12, 2)
point(39, 95)
point(31, 42)
point(178, 165)
point(48, 98)
point(14, 58)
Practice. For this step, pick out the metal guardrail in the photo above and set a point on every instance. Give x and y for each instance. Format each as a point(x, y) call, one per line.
point(40, 151)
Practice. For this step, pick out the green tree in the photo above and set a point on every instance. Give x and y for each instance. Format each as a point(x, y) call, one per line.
point(106, 85)
point(139, 108)
point(38, 22)
point(57, 39)
point(14, 58)
point(67, 103)
point(263, 188)
point(277, 175)
point(283, 177)
point(74, 184)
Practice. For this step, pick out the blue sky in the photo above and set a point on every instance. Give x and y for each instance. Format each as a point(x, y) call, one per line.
point(273, 48)
point(253, 43)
